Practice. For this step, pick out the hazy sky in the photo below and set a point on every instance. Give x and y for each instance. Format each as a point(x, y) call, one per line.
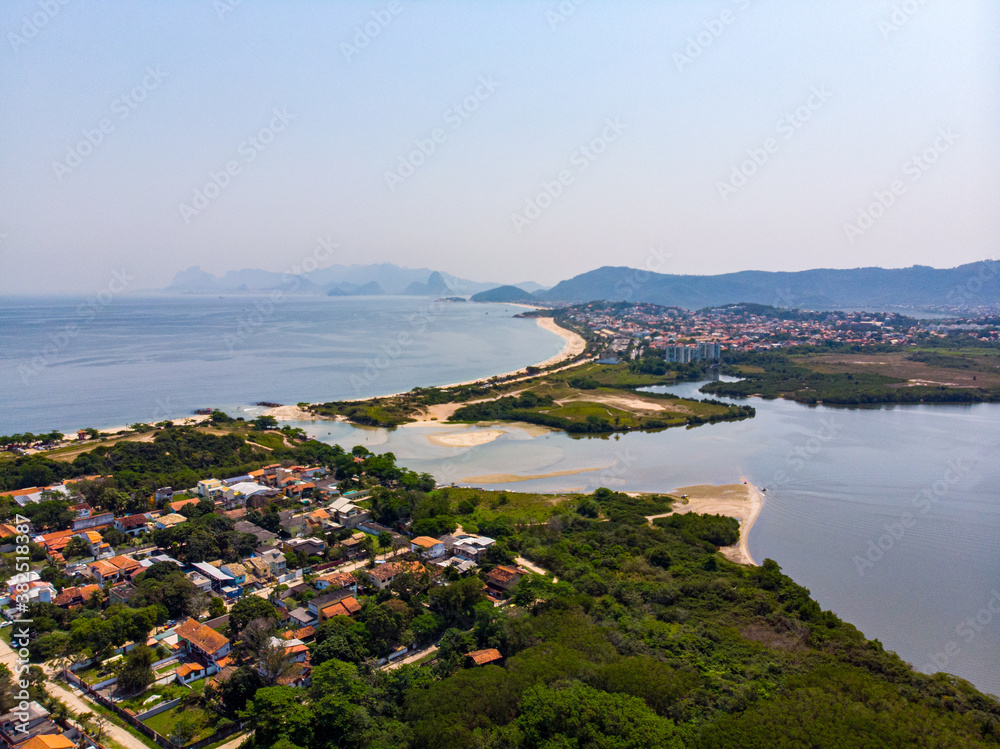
point(731, 134)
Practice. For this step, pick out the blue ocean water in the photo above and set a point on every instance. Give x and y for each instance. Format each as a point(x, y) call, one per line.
point(66, 364)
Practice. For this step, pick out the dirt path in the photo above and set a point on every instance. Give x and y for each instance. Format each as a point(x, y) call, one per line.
point(413, 657)
point(535, 568)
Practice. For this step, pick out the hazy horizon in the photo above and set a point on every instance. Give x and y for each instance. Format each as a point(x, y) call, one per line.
point(506, 143)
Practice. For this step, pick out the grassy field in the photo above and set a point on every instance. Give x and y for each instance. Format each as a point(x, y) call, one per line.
point(960, 368)
point(164, 723)
point(68, 453)
point(520, 507)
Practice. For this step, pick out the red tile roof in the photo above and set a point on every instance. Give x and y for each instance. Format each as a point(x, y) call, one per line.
point(482, 657)
point(204, 638)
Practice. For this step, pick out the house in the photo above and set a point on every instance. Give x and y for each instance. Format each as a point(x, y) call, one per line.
point(347, 513)
point(73, 596)
point(258, 570)
point(188, 672)
point(427, 547)
point(316, 605)
point(208, 487)
point(264, 538)
point(311, 547)
point(352, 545)
point(303, 617)
point(236, 571)
point(219, 578)
point(180, 504)
point(201, 582)
point(482, 657)
point(303, 634)
point(133, 525)
point(164, 493)
point(472, 547)
point(203, 641)
point(99, 520)
point(464, 566)
point(293, 525)
point(169, 520)
point(126, 564)
point(348, 606)
point(121, 592)
point(243, 490)
point(275, 561)
point(336, 580)
point(504, 579)
point(104, 572)
point(49, 741)
point(382, 575)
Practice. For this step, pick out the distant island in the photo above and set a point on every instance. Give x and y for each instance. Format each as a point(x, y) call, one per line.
point(971, 287)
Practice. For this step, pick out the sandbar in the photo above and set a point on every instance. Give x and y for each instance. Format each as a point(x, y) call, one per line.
point(509, 478)
point(740, 501)
point(467, 438)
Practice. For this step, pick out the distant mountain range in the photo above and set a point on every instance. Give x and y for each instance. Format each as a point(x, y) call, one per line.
point(335, 280)
point(917, 287)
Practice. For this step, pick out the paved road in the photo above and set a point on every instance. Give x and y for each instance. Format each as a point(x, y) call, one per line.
point(73, 701)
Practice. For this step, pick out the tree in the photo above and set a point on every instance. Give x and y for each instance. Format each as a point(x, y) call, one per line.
point(264, 422)
point(579, 715)
point(136, 672)
point(184, 729)
point(238, 688)
point(279, 712)
point(249, 608)
point(216, 607)
point(274, 663)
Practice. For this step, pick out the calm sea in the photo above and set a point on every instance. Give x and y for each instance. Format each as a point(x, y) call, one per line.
point(890, 516)
point(65, 364)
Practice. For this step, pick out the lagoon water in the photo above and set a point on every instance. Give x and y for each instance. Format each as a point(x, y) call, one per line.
point(840, 482)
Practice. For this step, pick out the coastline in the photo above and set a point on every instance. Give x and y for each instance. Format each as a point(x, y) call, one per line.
point(573, 345)
point(741, 501)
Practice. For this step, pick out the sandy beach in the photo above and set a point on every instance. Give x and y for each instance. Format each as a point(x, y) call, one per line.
point(467, 438)
point(503, 478)
point(740, 501)
point(573, 346)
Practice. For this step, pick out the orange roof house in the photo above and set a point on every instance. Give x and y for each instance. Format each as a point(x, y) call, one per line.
point(203, 639)
point(176, 506)
point(482, 657)
point(344, 607)
point(48, 741)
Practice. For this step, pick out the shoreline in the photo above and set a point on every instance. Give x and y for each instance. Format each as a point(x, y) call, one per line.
point(743, 502)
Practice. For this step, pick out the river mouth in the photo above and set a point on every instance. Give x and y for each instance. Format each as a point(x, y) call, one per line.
point(840, 484)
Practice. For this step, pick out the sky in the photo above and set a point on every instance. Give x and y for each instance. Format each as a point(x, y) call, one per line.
point(500, 141)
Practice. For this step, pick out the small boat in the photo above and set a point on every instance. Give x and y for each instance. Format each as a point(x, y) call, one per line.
point(763, 490)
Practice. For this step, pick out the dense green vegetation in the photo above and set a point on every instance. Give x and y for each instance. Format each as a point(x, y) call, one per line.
point(793, 374)
point(649, 638)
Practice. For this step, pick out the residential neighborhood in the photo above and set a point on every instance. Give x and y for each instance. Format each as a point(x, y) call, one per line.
point(152, 611)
